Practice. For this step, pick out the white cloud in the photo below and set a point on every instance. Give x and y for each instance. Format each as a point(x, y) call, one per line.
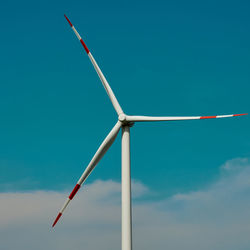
point(217, 217)
point(235, 164)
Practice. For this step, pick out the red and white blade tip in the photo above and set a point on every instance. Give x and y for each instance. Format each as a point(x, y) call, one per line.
point(220, 116)
point(78, 36)
point(71, 196)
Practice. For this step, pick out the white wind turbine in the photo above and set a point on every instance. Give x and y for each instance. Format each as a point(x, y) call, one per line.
point(124, 122)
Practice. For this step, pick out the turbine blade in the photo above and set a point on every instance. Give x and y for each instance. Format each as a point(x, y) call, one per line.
point(108, 141)
point(99, 72)
point(173, 118)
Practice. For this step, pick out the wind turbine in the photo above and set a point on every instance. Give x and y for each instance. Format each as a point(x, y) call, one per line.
point(124, 122)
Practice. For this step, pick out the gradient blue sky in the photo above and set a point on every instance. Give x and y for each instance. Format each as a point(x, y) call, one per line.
point(160, 58)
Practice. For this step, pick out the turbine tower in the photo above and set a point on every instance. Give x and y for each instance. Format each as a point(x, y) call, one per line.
point(124, 122)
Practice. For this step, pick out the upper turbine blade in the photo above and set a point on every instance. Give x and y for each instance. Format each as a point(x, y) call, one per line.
point(99, 72)
point(108, 141)
point(173, 118)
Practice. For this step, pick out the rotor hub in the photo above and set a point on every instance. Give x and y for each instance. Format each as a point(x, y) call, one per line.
point(122, 118)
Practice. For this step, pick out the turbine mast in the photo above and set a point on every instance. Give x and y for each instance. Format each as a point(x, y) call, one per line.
point(126, 190)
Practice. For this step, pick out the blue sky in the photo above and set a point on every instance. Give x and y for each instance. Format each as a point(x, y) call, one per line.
point(190, 178)
point(160, 58)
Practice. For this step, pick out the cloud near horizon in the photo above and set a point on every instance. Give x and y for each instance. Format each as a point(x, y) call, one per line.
point(216, 217)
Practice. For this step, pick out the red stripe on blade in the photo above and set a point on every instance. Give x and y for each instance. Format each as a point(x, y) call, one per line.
point(68, 20)
point(74, 191)
point(240, 114)
point(207, 117)
point(84, 45)
point(57, 218)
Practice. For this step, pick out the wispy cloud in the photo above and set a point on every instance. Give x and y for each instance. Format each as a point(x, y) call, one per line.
point(217, 217)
